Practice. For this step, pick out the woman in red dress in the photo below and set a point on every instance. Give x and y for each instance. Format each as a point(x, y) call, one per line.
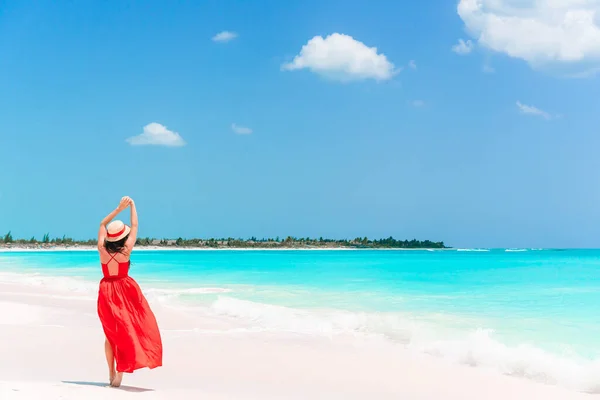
point(132, 337)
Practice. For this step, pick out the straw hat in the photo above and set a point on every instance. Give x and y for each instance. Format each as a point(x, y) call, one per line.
point(116, 231)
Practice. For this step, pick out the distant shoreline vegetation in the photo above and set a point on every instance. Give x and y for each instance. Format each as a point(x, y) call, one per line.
point(7, 240)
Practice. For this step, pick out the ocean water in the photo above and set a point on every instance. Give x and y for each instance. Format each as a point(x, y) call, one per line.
point(528, 313)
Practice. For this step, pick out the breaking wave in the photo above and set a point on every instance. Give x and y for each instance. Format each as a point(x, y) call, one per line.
point(477, 348)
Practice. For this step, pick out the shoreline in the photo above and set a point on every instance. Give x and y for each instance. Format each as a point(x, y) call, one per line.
point(201, 349)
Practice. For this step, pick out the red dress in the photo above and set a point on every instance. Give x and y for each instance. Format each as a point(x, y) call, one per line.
point(128, 321)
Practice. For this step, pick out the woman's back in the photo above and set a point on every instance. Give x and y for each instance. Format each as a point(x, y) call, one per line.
point(114, 264)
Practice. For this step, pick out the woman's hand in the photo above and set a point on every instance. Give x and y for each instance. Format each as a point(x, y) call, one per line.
point(125, 202)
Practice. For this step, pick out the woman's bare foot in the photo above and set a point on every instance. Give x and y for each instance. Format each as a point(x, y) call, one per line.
point(111, 376)
point(116, 381)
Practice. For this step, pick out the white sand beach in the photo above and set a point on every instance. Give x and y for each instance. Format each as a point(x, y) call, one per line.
point(51, 347)
point(14, 249)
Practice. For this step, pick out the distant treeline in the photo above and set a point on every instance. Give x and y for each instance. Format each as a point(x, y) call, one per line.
point(289, 242)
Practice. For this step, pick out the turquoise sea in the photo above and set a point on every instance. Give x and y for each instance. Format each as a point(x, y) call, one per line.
point(531, 313)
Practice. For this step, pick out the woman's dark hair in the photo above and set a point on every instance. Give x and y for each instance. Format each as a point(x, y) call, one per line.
point(115, 247)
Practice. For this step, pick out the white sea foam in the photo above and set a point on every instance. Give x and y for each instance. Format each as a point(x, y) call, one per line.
point(200, 290)
point(58, 283)
point(478, 348)
point(278, 318)
point(81, 285)
point(474, 250)
point(515, 250)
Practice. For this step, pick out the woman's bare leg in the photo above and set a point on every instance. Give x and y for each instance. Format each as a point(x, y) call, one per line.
point(110, 359)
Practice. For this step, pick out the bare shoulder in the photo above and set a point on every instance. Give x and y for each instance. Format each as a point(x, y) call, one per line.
point(127, 251)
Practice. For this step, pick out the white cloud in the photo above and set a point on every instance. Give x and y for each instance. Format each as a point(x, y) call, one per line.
point(418, 103)
point(412, 64)
point(241, 130)
point(343, 58)
point(225, 36)
point(538, 31)
point(157, 134)
point(531, 110)
point(463, 48)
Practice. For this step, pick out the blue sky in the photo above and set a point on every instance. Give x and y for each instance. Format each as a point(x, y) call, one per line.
point(382, 124)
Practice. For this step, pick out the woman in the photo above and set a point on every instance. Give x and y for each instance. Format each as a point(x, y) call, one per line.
point(132, 337)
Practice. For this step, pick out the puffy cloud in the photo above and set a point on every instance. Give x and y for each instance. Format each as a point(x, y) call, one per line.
point(158, 135)
point(343, 58)
point(463, 48)
point(241, 130)
point(412, 64)
point(225, 36)
point(537, 31)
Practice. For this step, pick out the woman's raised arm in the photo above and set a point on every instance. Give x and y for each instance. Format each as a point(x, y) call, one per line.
point(125, 201)
point(134, 227)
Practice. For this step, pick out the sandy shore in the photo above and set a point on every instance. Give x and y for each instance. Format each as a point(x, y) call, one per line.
point(52, 348)
point(173, 248)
